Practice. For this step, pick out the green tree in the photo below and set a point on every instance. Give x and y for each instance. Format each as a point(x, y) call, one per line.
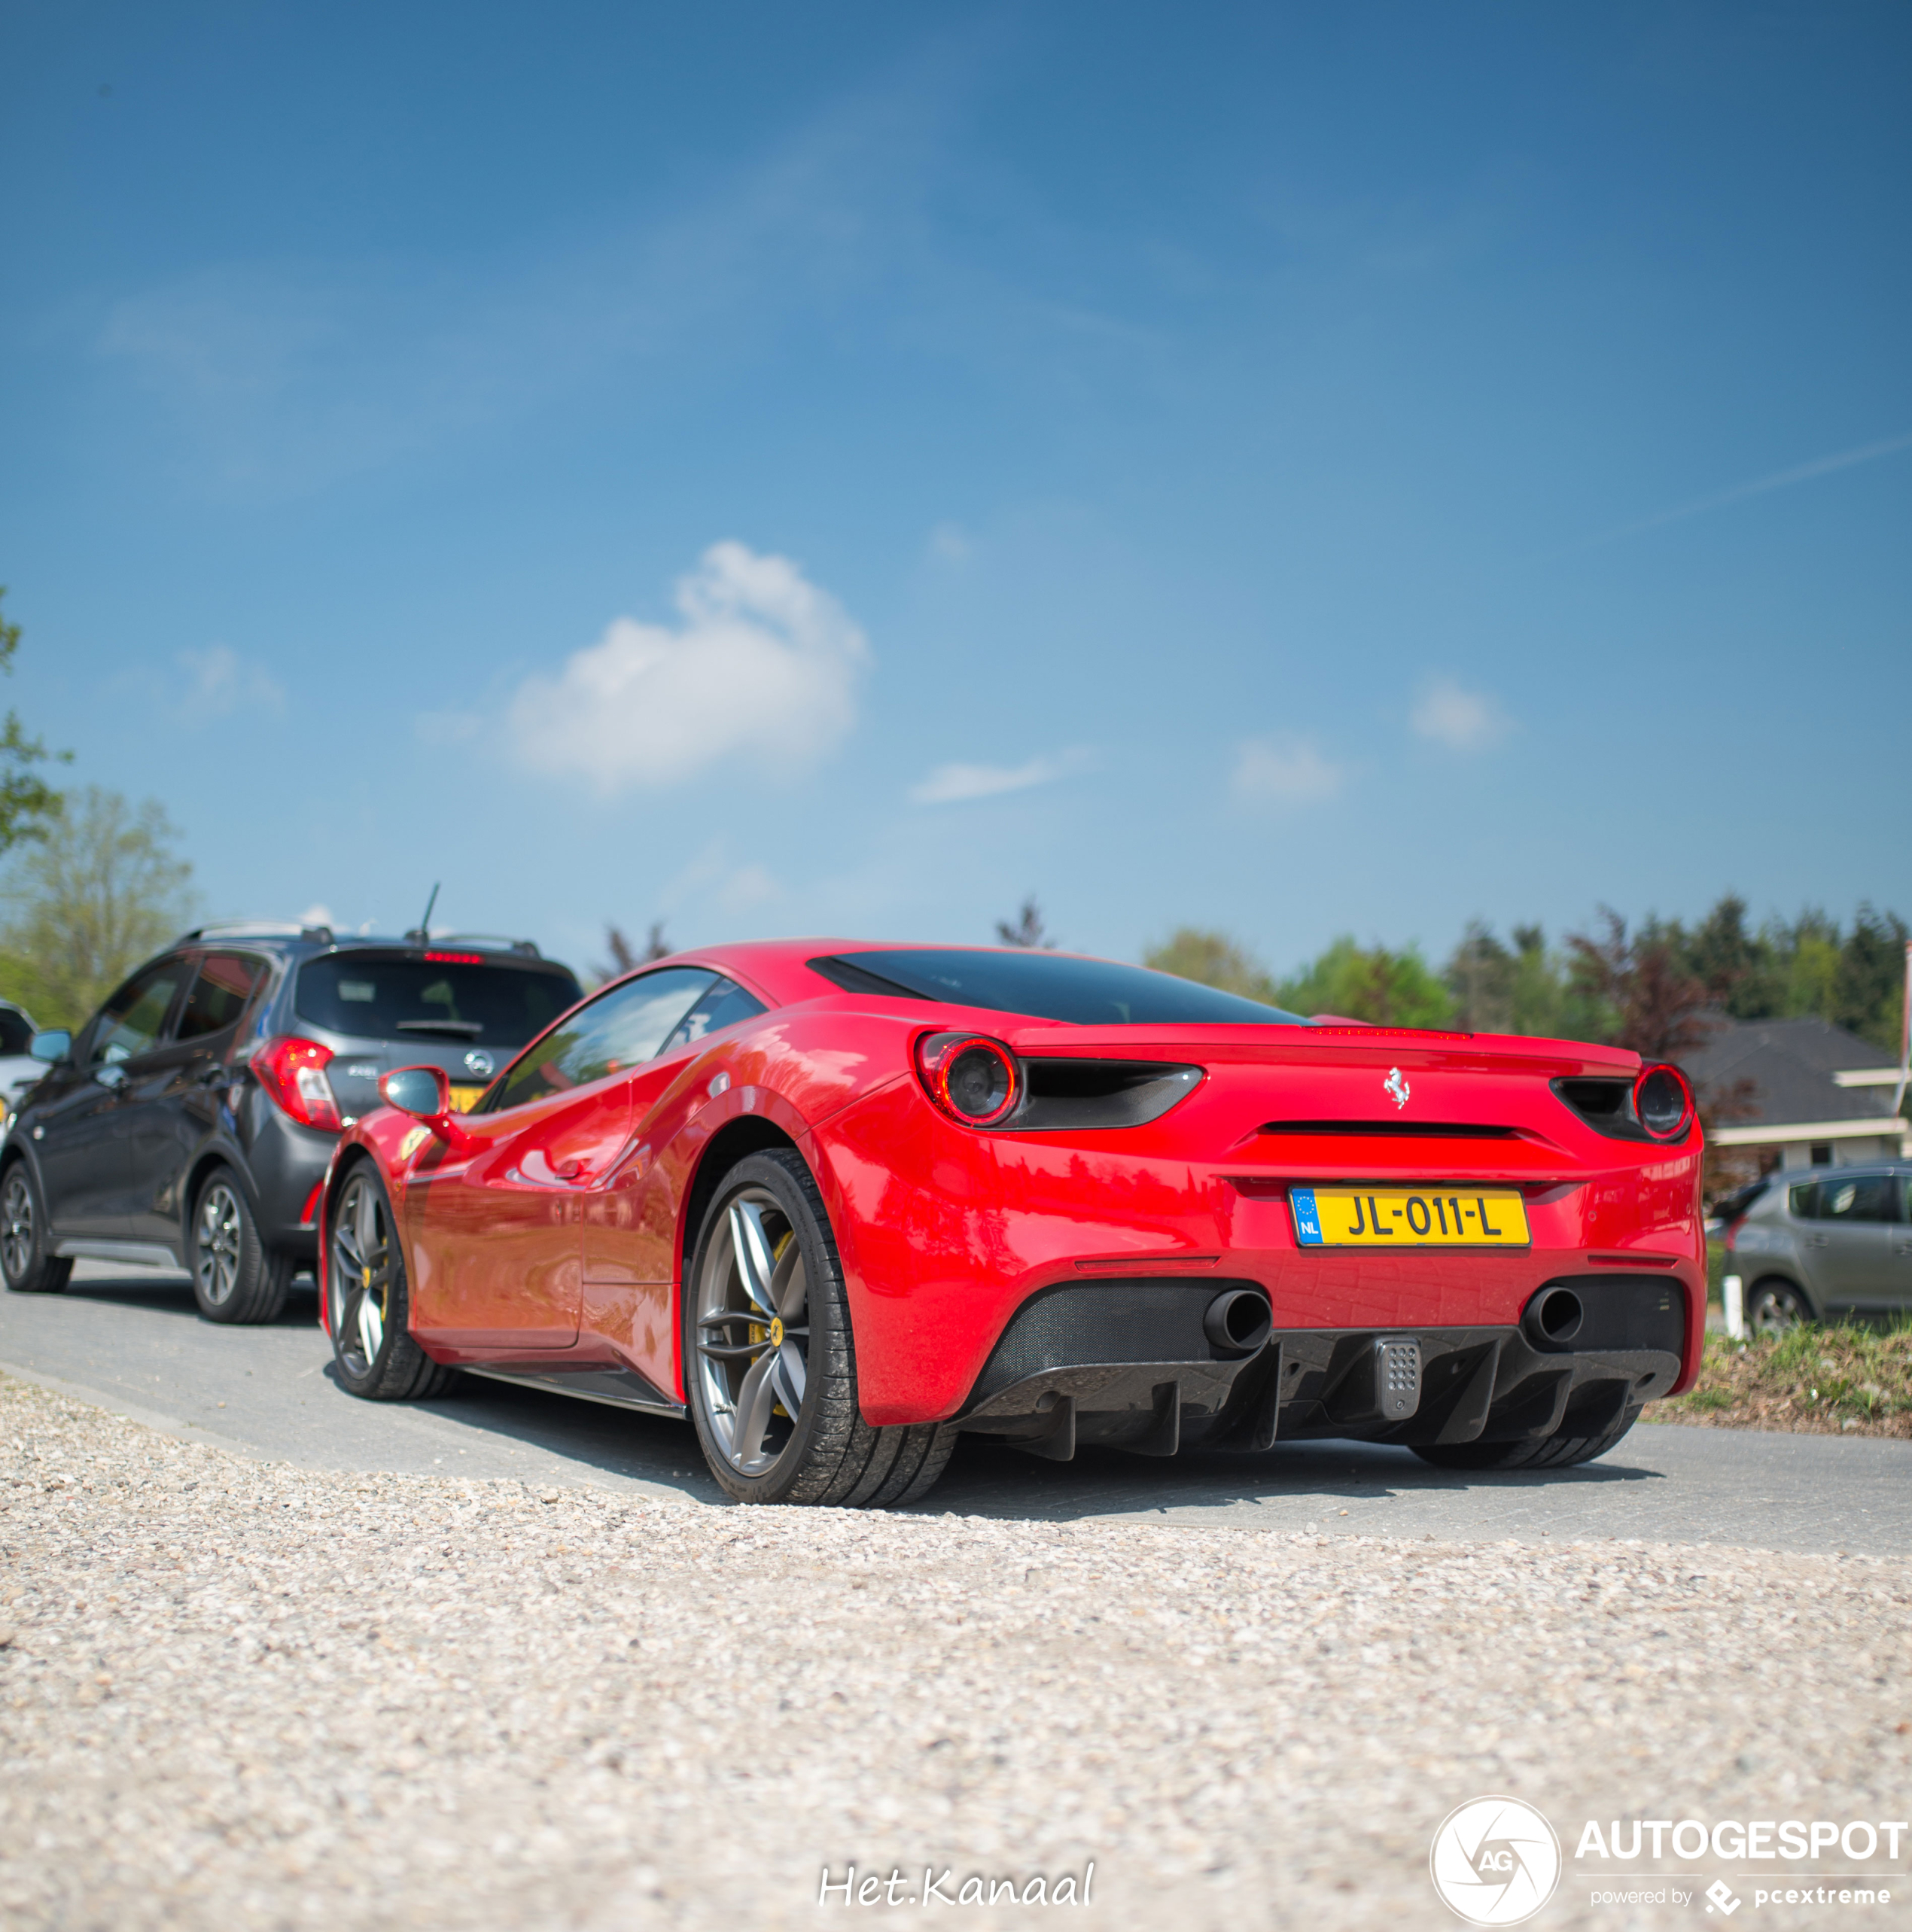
point(1384, 988)
point(1213, 959)
point(1027, 930)
point(93, 893)
point(1870, 984)
point(1521, 989)
point(1636, 988)
point(27, 801)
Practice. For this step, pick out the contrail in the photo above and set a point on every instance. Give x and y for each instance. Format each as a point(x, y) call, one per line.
point(1780, 479)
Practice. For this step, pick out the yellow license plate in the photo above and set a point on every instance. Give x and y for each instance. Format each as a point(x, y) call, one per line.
point(1409, 1217)
point(463, 1099)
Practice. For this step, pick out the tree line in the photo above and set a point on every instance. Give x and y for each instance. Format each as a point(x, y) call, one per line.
point(93, 884)
point(1650, 987)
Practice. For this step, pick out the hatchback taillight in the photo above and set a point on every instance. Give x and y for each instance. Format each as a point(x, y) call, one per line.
point(292, 1071)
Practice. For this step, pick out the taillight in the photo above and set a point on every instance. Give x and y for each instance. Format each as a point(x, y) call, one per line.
point(292, 1071)
point(971, 1077)
point(1663, 1101)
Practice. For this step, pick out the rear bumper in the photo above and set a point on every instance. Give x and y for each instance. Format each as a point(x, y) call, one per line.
point(1127, 1364)
point(285, 1163)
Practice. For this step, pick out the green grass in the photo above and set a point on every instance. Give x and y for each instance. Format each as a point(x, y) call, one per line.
point(1838, 1379)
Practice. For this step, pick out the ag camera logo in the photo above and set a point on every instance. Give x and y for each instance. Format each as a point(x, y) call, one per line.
point(1495, 1861)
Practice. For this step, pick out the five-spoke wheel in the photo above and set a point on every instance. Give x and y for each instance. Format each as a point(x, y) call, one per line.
point(366, 1304)
point(752, 1341)
point(770, 1362)
point(362, 1258)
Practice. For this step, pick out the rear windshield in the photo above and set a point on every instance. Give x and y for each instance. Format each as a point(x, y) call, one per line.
point(387, 996)
point(1050, 986)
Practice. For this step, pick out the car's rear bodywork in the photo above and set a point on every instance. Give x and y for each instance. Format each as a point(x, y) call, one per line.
point(1054, 1283)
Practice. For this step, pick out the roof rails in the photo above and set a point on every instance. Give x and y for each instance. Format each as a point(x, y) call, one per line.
point(260, 929)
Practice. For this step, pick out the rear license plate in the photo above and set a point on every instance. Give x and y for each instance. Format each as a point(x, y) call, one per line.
point(1408, 1218)
point(463, 1099)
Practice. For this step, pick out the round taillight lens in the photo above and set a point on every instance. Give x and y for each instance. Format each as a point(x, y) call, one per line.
point(971, 1077)
point(1663, 1101)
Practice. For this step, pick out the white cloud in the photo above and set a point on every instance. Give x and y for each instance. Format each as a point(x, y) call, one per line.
point(1285, 771)
point(748, 888)
point(955, 784)
point(761, 672)
point(317, 914)
point(1461, 720)
point(949, 543)
point(219, 681)
point(448, 727)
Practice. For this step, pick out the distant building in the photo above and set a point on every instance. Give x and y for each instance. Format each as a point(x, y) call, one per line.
point(1810, 1094)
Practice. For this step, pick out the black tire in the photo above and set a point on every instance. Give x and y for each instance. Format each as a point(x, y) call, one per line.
point(792, 1373)
point(1774, 1307)
point(29, 1269)
point(1548, 1451)
point(236, 1277)
point(368, 1304)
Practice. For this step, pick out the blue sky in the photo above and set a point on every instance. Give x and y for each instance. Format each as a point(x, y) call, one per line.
point(1294, 469)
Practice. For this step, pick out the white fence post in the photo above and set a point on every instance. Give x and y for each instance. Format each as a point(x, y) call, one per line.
point(1732, 1296)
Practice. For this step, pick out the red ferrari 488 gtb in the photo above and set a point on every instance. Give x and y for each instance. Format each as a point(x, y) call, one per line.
point(843, 1201)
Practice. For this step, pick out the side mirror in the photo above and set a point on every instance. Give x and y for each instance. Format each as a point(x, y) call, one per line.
point(51, 1047)
point(425, 1094)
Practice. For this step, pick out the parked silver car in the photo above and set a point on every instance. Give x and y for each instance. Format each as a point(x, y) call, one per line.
point(1825, 1244)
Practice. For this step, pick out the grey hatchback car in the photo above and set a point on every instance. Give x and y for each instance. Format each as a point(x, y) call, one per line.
point(191, 1119)
point(1825, 1244)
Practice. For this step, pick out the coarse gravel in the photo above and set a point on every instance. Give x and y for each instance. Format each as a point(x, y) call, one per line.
point(236, 1694)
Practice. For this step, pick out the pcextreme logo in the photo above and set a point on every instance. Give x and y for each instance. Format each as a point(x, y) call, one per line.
point(1495, 1861)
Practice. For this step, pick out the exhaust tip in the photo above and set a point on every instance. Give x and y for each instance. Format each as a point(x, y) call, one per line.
point(1556, 1315)
point(1238, 1320)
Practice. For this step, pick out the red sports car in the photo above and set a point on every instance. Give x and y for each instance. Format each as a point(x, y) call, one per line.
point(842, 1201)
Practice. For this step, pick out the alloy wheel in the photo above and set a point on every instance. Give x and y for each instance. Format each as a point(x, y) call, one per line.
point(752, 1335)
point(16, 1226)
point(216, 1243)
point(364, 1256)
point(1775, 1311)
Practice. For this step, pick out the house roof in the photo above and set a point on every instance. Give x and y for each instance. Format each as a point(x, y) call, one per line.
point(1790, 1063)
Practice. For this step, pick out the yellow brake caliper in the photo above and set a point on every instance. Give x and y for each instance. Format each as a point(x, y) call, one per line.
point(760, 1333)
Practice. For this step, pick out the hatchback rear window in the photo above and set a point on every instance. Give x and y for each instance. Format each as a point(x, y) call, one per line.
point(1049, 986)
point(390, 997)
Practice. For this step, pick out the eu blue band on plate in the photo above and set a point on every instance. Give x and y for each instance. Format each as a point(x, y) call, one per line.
point(1307, 1222)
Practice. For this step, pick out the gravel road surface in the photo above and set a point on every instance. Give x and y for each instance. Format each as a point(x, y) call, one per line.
point(239, 1694)
point(136, 1344)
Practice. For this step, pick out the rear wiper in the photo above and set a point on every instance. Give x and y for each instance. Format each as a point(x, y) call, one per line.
point(466, 1028)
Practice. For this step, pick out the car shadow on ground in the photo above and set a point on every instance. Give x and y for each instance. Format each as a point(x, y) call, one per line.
point(172, 1294)
point(987, 1479)
point(616, 1441)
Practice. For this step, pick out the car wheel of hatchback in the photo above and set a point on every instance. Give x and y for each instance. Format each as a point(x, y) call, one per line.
point(1776, 1308)
point(236, 1277)
point(28, 1267)
point(770, 1359)
point(368, 1307)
